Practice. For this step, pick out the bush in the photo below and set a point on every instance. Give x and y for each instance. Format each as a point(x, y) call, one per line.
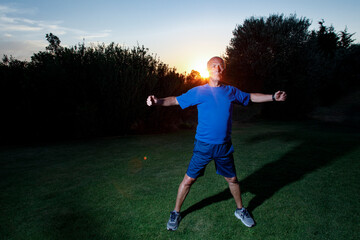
point(84, 91)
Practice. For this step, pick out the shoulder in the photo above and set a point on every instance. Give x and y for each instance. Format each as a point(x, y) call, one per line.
point(199, 88)
point(230, 88)
point(237, 93)
point(195, 91)
point(204, 86)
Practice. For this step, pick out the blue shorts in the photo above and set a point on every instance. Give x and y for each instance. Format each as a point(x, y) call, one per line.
point(204, 152)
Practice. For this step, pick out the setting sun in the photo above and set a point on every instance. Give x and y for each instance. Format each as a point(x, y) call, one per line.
point(201, 67)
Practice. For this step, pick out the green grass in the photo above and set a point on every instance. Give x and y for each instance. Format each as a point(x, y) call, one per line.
point(300, 181)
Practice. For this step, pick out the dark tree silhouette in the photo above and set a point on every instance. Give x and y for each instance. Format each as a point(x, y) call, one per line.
point(54, 43)
point(72, 92)
point(346, 39)
point(268, 54)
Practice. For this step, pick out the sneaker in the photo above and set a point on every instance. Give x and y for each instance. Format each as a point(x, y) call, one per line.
point(174, 221)
point(244, 216)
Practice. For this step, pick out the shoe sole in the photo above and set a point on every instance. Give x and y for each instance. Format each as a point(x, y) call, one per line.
point(173, 229)
point(248, 225)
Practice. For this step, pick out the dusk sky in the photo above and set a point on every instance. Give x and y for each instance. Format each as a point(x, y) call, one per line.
point(183, 34)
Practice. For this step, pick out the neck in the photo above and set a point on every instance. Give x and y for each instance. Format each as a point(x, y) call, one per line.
point(214, 83)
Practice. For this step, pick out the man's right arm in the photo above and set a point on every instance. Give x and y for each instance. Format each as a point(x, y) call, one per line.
point(168, 101)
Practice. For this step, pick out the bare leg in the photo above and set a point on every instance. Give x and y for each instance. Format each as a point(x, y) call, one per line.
point(235, 190)
point(183, 190)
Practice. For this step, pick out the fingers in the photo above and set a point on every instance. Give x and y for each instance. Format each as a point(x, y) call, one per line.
point(148, 100)
point(151, 100)
point(280, 96)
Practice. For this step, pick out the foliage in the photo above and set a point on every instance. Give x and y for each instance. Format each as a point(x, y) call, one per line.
point(54, 43)
point(345, 39)
point(83, 91)
point(101, 90)
point(269, 54)
point(327, 39)
point(194, 79)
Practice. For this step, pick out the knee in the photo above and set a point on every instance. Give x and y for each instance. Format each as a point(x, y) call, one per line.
point(188, 180)
point(232, 180)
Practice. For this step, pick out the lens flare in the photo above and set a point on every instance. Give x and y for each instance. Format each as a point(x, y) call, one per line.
point(135, 165)
point(200, 66)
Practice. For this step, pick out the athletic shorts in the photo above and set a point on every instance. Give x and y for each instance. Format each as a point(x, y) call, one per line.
point(203, 153)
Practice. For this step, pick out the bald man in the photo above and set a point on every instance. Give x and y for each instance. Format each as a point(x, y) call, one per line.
point(214, 102)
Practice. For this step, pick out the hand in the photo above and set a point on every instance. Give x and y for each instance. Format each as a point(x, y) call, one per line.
point(151, 100)
point(280, 96)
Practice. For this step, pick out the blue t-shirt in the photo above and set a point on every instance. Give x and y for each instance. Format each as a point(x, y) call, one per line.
point(214, 106)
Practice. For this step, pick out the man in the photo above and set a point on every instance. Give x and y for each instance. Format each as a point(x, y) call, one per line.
point(214, 102)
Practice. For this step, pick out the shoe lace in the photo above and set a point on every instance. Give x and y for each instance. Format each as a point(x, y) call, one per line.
point(245, 213)
point(173, 216)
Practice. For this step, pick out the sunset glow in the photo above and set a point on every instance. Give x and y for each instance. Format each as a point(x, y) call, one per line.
point(201, 67)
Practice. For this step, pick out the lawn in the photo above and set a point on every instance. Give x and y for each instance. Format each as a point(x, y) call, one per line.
point(300, 181)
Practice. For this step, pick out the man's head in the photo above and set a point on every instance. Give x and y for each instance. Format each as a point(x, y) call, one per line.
point(215, 66)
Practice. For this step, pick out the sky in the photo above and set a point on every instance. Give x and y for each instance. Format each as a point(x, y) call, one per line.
point(181, 33)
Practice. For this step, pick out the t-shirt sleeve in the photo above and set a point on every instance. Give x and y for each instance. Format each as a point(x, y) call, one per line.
point(241, 97)
point(188, 99)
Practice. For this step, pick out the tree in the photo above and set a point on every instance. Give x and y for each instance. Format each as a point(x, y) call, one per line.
point(194, 79)
point(327, 39)
point(346, 38)
point(54, 43)
point(266, 54)
point(315, 68)
point(262, 50)
point(330, 64)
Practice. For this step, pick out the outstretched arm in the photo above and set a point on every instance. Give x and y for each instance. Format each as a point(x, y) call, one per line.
point(168, 101)
point(259, 97)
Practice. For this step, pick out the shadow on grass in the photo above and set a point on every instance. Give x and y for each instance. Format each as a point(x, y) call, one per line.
point(73, 222)
point(221, 196)
point(314, 152)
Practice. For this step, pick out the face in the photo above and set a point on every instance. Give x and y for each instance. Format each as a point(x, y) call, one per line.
point(216, 67)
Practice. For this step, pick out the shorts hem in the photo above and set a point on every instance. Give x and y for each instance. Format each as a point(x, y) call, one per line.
point(192, 176)
point(225, 176)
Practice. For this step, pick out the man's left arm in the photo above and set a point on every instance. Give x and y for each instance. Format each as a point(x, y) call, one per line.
point(279, 96)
